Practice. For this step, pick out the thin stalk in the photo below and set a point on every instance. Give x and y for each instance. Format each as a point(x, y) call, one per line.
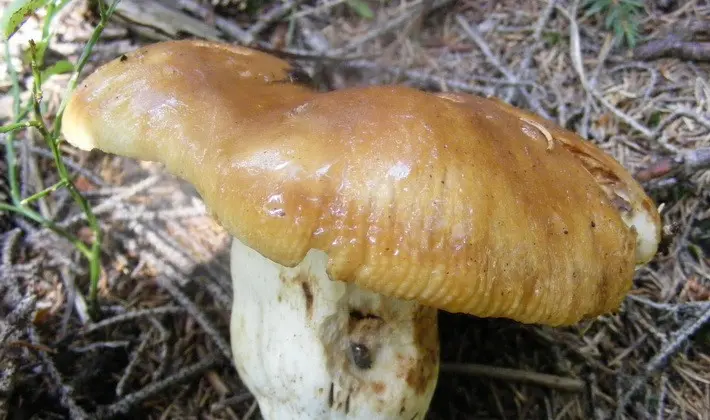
point(51, 137)
point(83, 59)
point(10, 154)
point(94, 255)
point(9, 128)
point(44, 192)
point(94, 260)
point(36, 217)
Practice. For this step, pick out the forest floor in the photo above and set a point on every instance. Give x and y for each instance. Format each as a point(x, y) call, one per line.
point(162, 350)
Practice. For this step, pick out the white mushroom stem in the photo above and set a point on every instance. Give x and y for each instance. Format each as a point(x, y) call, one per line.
point(309, 347)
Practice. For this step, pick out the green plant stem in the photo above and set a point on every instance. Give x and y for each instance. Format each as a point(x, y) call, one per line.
point(83, 59)
point(94, 260)
point(18, 126)
point(51, 137)
point(44, 192)
point(34, 216)
point(10, 140)
point(94, 255)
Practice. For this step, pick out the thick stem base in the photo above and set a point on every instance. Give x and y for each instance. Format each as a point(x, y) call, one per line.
point(311, 348)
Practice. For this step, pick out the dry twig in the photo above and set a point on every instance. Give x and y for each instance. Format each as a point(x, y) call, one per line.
point(485, 49)
point(682, 165)
point(129, 401)
point(660, 359)
point(515, 375)
point(131, 316)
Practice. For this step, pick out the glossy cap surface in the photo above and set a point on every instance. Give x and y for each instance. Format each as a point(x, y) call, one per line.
point(463, 203)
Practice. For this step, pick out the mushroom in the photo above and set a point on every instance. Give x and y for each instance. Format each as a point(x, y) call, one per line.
point(356, 214)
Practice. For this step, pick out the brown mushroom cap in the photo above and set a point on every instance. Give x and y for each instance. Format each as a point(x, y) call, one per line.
point(463, 203)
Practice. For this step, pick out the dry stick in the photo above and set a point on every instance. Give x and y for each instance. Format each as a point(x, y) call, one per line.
point(130, 316)
point(8, 247)
point(18, 317)
point(662, 397)
point(673, 46)
point(172, 252)
point(251, 411)
point(699, 118)
point(418, 76)
point(527, 57)
point(155, 388)
point(232, 401)
point(687, 163)
point(601, 59)
point(483, 46)
point(576, 57)
point(218, 273)
point(227, 26)
point(153, 215)
point(132, 363)
point(429, 79)
point(652, 72)
point(98, 345)
point(413, 26)
point(319, 7)
point(164, 280)
point(164, 350)
point(377, 31)
point(66, 399)
point(389, 25)
point(167, 247)
point(72, 301)
point(661, 358)
point(116, 199)
point(494, 372)
point(276, 13)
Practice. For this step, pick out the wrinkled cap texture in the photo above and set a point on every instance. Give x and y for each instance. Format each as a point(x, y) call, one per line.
point(461, 202)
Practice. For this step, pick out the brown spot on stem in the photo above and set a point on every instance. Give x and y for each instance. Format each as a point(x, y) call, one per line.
point(379, 387)
point(358, 320)
point(308, 294)
point(423, 368)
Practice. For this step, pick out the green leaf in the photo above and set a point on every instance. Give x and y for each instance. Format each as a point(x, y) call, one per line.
point(361, 8)
point(16, 12)
point(60, 67)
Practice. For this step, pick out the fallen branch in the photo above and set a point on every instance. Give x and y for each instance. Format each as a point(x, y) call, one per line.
point(227, 26)
point(159, 21)
point(673, 47)
point(577, 62)
point(485, 49)
point(527, 57)
point(658, 361)
point(200, 317)
point(277, 12)
point(131, 400)
point(683, 165)
point(130, 316)
point(66, 397)
point(535, 378)
point(418, 76)
point(678, 45)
